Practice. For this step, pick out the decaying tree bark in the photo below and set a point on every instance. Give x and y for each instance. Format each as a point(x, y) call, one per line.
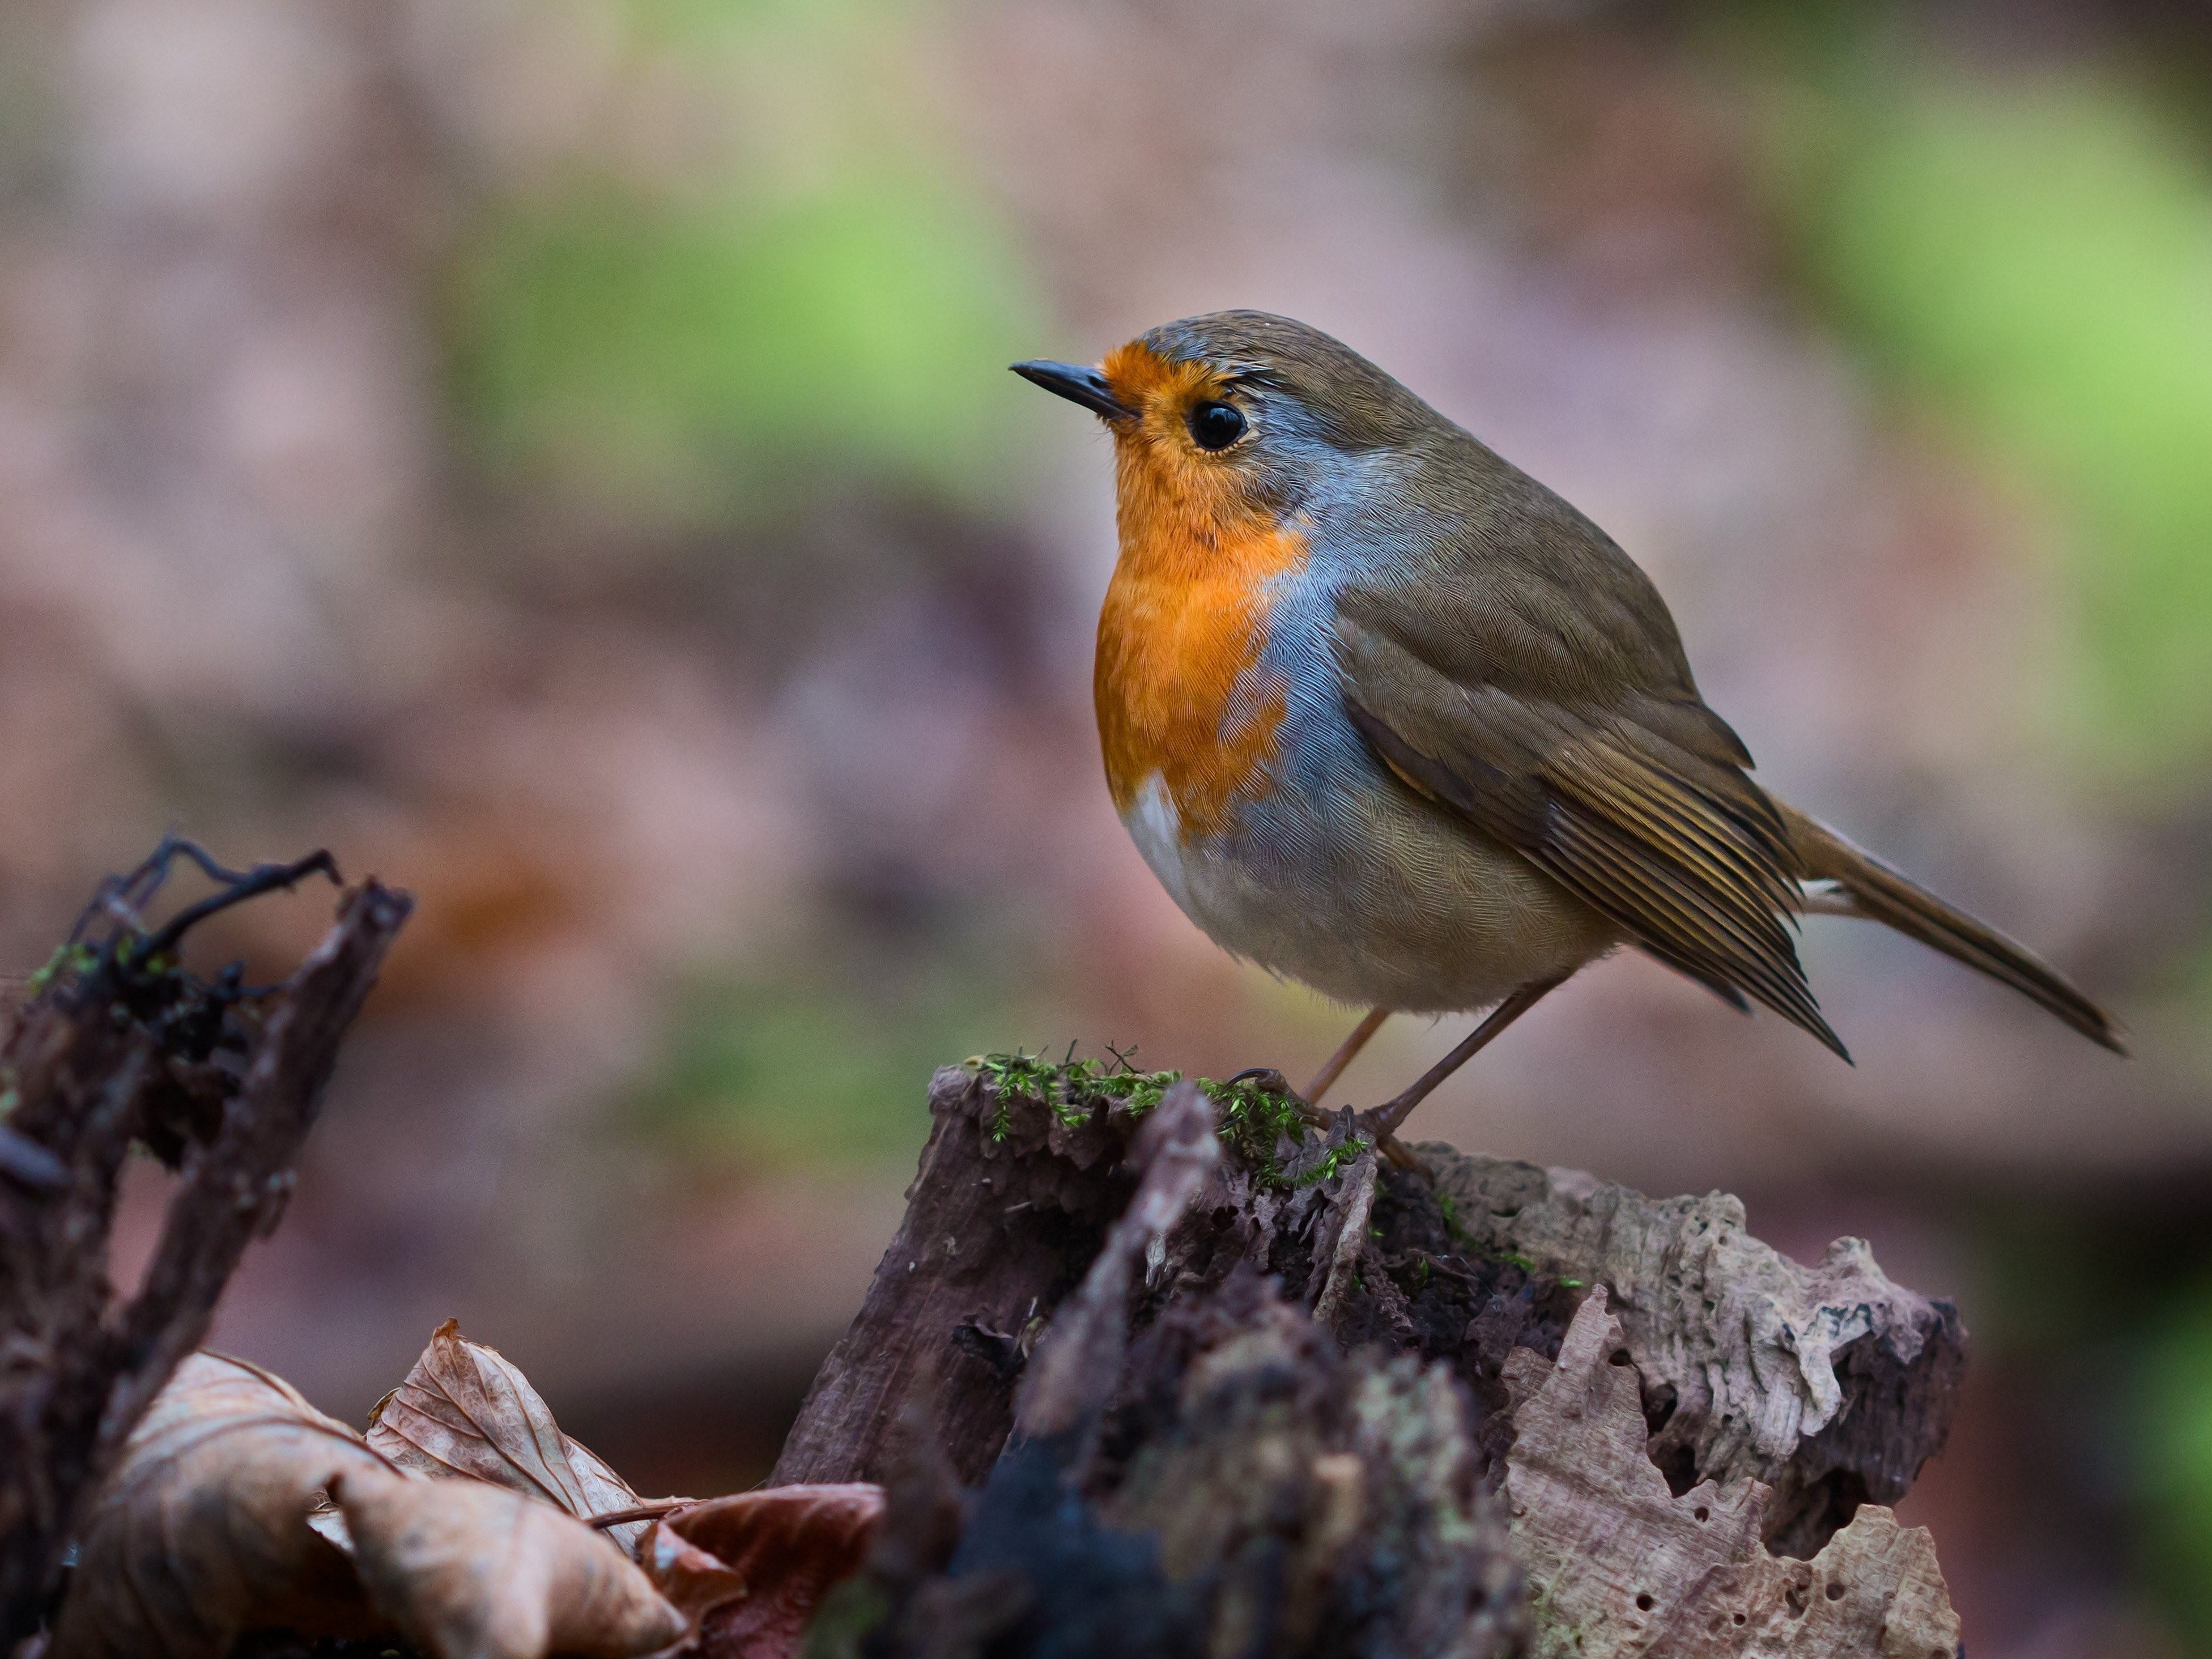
point(118, 1045)
point(1158, 1371)
point(1152, 1368)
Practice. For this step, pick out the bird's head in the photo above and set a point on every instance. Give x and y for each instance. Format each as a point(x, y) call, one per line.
point(1239, 414)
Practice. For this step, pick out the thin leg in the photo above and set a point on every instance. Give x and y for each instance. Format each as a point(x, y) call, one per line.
point(1325, 1079)
point(1384, 1119)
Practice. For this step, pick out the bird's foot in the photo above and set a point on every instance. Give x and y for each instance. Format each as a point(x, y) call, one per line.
point(1377, 1124)
point(1380, 1127)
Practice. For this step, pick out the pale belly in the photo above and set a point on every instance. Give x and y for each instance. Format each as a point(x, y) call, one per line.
point(1376, 900)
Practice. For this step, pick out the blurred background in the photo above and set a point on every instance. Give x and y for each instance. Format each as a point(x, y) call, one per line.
point(560, 456)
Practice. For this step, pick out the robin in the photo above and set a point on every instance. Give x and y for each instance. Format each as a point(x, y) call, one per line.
point(1388, 717)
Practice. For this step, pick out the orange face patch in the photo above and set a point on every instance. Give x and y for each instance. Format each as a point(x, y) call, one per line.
point(1185, 619)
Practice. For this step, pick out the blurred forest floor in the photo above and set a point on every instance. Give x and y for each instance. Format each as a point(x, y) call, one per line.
point(560, 458)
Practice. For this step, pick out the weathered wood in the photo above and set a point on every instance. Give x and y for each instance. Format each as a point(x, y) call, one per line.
point(1249, 1489)
point(123, 1045)
point(1621, 1565)
point(1829, 1384)
point(1003, 1219)
point(1008, 1209)
point(1067, 1388)
point(1285, 1435)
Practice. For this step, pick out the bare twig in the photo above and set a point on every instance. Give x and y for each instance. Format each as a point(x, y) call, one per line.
point(652, 1511)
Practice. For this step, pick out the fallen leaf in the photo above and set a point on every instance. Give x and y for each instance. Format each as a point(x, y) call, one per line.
point(471, 1571)
point(694, 1581)
point(204, 1532)
point(201, 1532)
point(1617, 1565)
point(465, 1409)
point(750, 1569)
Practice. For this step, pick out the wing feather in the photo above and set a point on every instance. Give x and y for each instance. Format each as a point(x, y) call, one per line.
point(1637, 803)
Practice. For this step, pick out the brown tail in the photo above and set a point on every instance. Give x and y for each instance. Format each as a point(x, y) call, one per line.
point(1877, 892)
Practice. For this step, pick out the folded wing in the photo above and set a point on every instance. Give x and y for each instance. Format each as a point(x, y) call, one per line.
point(1592, 756)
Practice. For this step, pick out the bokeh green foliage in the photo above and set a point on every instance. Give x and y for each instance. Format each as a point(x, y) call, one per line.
point(724, 348)
point(2112, 1318)
point(2026, 252)
point(808, 1067)
point(2172, 1448)
point(2031, 252)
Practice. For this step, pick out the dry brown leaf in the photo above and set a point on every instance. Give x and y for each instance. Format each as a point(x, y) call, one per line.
point(465, 1409)
point(201, 1532)
point(752, 1568)
point(472, 1570)
point(694, 1581)
point(1619, 1565)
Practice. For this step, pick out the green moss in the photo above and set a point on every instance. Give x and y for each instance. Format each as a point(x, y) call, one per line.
point(1449, 1207)
point(65, 962)
point(1332, 1162)
point(1252, 1121)
point(1470, 1245)
point(1076, 1091)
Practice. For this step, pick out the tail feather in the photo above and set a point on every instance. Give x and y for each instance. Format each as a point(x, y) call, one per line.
point(1872, 890)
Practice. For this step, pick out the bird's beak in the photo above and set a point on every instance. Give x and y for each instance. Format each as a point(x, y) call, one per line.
point(1078, 385)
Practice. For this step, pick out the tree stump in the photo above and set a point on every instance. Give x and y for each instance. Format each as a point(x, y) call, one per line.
point(1151, 1367)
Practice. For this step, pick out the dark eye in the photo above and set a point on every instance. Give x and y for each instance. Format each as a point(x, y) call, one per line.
point(1216, 426)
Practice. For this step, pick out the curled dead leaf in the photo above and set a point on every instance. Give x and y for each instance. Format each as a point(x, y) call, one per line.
point(465, 1409)
point(217, 1523)
point(201, 1532)
point(472, 1570)
point(750, 1569)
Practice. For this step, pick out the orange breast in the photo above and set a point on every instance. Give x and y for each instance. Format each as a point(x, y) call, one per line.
point(1181, 633)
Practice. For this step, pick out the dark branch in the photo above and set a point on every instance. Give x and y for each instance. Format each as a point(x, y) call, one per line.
point(122, 1044)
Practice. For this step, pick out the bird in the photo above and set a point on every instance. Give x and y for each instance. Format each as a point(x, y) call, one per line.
point(1387, 716)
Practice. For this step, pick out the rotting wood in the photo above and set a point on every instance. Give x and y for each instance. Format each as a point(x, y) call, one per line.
point(1229, 1485)
point(1621, 1565)
point(118, 1044)
point(1001, 1223)
point(1829, 1384)
point(1289, 1431)
point(1156, 1369)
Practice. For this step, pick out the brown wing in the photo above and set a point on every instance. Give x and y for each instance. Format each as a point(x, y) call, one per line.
point(1543, 697)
